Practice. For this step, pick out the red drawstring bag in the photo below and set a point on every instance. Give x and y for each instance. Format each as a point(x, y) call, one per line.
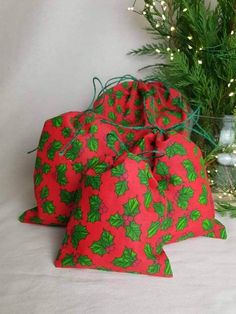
point(111, 227)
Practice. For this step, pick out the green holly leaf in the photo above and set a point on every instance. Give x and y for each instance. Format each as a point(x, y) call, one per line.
point(38, 163)
point(74, 151)
point(121, 187)
point(54, 147)
point(169, 207)
point(118, 171)
point(191, 173)
point(111, 101)
point(99, 109)
point(119, 94)
point(57, 121)
point(78, 167)
point(43, 140)
point(154, 269)
point(175, 149)
point(67, 197)
point(159, 208)
point(36, 220)
point(162, 186)
point(77, 213)
point(48, 207)
point(61, 177)
point(154, 227)
point(44, 192)
point(165, 120)
point(112, 116)
point(93, 181)
point(92, 162)
point(159, 248)
point(176, 180)
point(106, 240)
point(182, 223)
point(46, 168)
point(133, 231)
point(144, 176)
point(93, 129)
point(204, 195)
point(66, 132)
point(127, 259)
point(98, 248)
point(184, 196)
point(89, 119)
point(131, 208)
point(101, 168)
point(130, 137)
point(207, 224)
point(79, 233)
point(186, 236)
point(195, 150)
point(94, 214)
point(162, 169)
point(166, 238)
point(223, 234)
point(111, 139)
point(178, 102)
point(168, 270)
point(116, 220)
point(68, 260)
point(84, 260)
point(62, 219)
point(38, 179)
point(149, 252)
point(147, 199)
point(92, 144)
point(166, 223)
point(195, 215)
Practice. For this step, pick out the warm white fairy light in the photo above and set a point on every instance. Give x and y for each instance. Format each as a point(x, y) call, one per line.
point(144, 12)
point(164, 9)
point(172, 29)
point(158, 50)
point(232, 80)
point(163, 17)
point(178, 50)
point(185, 10)
point(232, 32)
point(147, 5)
point(190, 37)
point(151, 7)
point(201, 48)
point(168, 37)
point(231, 94)
point(163, 3)
point(168, 49)
point(199, 61)
point(229, 85)
point(190, 47)
point(131, 9)
point(157, 25)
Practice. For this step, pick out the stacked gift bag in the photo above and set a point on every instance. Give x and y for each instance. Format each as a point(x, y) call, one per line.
point(125, 179)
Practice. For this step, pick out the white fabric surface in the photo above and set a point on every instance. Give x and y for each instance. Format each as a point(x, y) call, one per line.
point(50, 50)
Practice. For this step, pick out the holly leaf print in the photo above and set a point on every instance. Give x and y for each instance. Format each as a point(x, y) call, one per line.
point(131, 208)
point(68, 260)
point(162, 186)
point(119, 94)
point(133, 231)
point(168, 270)
point(149, 252)
point(43, 140)
point(154, 269)
point(61, 174)
point(93, 129)
point(207, 224)
point(57, 121)
point(38, 179)
point(159, 208)
point(176, 180)
point(162, 169)
point(100, 247)
point(204, 195)
point(48, 207)
point(46, 168)
point(184, 196)
point(166, 223)
point(67, 197)
point(166, 238)
point(78, 167)
point(144, 175)
point(118, 171)
point(84, 260)
point(62, 219)
point(94, 214)
point(77, 213)
point(154, 227)
point(121, 187)
point(182, 223)
point(44, 192)
point(116, 220)
point(112, 116)
point(93, 181)
point(54, 147)
point(111, 139)
point(74, 151)
point(127, 259)
point(195, 215)
point(178, 102)
point(79, 233)
point(92, 144)
point(147, 199)
point(223, 234)
point(66, 132)
point(191, 173)
point(175, 149)
point(38, 163)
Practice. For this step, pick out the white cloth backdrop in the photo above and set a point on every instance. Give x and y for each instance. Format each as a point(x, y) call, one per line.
point(49, 52)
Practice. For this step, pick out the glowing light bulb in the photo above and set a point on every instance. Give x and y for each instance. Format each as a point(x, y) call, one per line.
point(147, 5)
point(190, 37)
point(199, 61)
point(172, 29)
point(158, 50)
point(201, 48)
point(163, 3)
point(157, 25)
point(232, 80)
point(231, 94)
point(168, 49)
point(185, 10)
point(190, 47)
point(163, 17)
point(144, 12)
point(232, 33)
point(168, 37)
point(229, 85)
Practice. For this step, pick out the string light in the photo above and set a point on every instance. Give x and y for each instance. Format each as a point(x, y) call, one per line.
point(190, 47)
point(172, 29)
point(131, 9)
point(163, 17)
point(199, 61)
point(157, 25)
point(144, 12)
point(232, 80)
point(232, 33)
point(229, 85)
point(185, 10)
point(190, 37)
point(168, 49)
point(158, 50)
point(168, 37)
point(201, 48)
point(163, 3)
point(231, 94)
